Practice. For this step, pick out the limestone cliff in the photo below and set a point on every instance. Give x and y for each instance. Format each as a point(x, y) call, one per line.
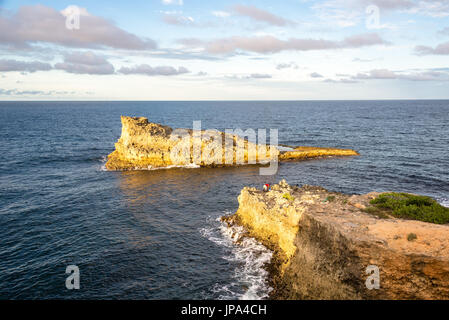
point(146, 145)
point(324, 242)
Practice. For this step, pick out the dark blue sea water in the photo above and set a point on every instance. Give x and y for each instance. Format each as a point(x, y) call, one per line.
point(155, 234)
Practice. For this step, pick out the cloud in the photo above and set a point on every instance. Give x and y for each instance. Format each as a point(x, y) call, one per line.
point(345, 13)
point(340, 81)
point(376, 74)
point(250, 76)
point(432, 8)
point(270, 44)
point(178, 20)
point(260, 76)
point(363, 60)
point(260, 15)
point(444, 32)
point(147, 70)
point(16, 92)
point(441, 49)
point(385, 74)
point(316, 75)
point(85, 63)
point(389, 4)
point(23, 66)
point(436, 74)
point(41, 24)
point(173, 2)
point(221, 14)
point(282, 66)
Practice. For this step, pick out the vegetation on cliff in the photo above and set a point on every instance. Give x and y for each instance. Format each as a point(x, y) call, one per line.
point(410, 206)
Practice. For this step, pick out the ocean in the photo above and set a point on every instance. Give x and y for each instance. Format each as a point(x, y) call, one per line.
point(157, 234)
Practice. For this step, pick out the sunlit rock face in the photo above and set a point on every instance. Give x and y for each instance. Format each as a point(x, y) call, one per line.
point(300, 153)
point(144, 145)
point(325, 244)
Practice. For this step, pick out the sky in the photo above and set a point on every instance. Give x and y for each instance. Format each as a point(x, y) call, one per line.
point(224, 50)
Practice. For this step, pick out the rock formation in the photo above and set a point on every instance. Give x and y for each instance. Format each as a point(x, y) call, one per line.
point(145, 145)
point(324, 244)
point(301, 153)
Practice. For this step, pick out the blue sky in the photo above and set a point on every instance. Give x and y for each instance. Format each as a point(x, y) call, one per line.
point(220, 50)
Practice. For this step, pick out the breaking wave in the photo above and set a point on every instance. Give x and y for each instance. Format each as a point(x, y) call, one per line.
point(250, 279)
point(444, 202)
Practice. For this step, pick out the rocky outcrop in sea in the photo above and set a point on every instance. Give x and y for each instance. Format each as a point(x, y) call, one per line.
point(144, 145)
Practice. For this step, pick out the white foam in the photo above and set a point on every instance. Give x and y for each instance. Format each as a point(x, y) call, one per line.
point(444, 202)
point(281, 148)
point(187, 166)
point(103, 160)
point(251, 257)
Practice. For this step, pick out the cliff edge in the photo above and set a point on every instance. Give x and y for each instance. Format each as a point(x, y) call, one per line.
point(327, 246)
point(145, 145)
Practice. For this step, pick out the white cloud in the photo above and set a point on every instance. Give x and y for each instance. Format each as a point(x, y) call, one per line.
point(221, 14)
point(250, 76)
point(288, 65)
point(145, 69)
point(23, 66)
point(385, 74)
point(441, 49)
point(260, 15)
point(41, 24)
point(432, 8)
point(178, 19)
point(316, 75)
point(270, 44)
point(444, 31)
point(17, 92)
point(346, 13)
point(85, 63)
point(173, 2)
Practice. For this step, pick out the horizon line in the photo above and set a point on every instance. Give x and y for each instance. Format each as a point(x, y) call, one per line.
point(236, 100)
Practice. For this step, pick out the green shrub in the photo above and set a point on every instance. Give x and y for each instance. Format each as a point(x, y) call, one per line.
point(330, 198)
point(412, 236)
point(410, 206)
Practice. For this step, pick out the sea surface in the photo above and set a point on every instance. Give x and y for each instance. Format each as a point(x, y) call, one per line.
point(156, 234)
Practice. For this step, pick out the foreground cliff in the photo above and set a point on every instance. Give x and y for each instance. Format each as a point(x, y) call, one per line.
point(325, 244)
point(146, 145)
